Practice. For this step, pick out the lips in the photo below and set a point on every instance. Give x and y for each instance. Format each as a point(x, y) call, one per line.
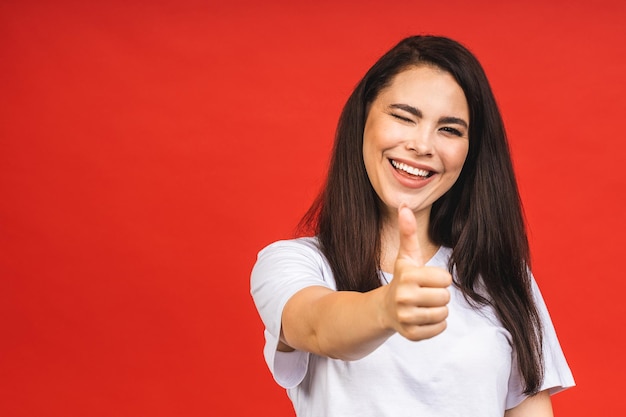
point(407, 169)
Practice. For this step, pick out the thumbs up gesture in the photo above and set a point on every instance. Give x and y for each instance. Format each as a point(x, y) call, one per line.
point(417, 297)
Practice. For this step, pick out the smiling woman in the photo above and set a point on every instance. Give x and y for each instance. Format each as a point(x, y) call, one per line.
point(414, 296)
point(415, 140)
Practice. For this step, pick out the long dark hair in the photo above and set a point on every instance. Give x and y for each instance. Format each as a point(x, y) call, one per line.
point(480, 217)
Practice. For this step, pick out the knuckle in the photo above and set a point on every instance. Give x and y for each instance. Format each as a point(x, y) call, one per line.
point(445, 278)
point(441, 276)
point(403, 317)
point(445, 296)
point(414, 333)
point(436, 315)
point(425, 315)
point(403, 299)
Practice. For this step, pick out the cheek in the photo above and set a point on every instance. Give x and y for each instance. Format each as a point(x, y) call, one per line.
point(367, 140)
point(368, 154)
point(375, 143)
point(454, 157)
point(367, 149)
point(380, 134)
point(372, 168)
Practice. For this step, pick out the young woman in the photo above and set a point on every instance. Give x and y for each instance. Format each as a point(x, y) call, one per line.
point(414, 297)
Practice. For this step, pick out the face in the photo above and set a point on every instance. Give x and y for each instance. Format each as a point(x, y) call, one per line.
point(416, 138)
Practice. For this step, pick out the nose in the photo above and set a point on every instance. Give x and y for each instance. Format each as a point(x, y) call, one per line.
point(421, 142)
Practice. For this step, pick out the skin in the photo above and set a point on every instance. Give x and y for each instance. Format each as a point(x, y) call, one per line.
point(421, 120)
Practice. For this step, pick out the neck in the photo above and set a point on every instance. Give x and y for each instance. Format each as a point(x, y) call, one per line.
point(390, 240)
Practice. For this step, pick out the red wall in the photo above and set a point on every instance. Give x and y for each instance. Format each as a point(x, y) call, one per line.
point(149, 149)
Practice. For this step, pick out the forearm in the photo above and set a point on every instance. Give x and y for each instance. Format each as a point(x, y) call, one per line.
point(339, 324)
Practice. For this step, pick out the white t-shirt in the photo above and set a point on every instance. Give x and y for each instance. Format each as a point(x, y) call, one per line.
point(468, 370)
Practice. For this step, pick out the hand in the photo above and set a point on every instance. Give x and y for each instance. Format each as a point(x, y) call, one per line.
point(417, 297)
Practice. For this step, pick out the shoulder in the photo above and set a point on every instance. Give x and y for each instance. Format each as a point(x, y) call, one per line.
point(291, 256)
point(300, 248)
point(303, 244)
point(289, 265)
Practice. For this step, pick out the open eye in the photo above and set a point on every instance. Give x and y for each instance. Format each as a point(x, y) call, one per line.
point(452, 131)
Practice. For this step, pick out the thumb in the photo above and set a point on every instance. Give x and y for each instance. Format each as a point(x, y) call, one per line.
point(409, 244)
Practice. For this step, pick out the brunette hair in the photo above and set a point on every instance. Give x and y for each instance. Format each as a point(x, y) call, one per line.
point(480, 217)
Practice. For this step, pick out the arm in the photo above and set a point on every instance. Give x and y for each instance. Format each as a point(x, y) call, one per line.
point(536, 406)
point(350, 325)
point(339, 324)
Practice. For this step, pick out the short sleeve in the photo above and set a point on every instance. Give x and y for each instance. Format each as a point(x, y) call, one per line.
point(557, 374)
point(282, 269)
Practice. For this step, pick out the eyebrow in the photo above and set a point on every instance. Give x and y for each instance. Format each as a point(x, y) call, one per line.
point(453, 120)
point(418, 113)
point(409, 109)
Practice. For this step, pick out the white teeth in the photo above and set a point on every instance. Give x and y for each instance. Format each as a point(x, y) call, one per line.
point(410, 170)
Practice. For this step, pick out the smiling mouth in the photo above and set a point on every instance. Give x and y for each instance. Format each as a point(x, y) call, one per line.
point(416, 172)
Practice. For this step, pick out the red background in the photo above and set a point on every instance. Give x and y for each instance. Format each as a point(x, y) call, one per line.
point(149, 149)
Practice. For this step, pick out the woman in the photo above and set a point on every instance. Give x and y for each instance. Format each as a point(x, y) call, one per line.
point(414, 298)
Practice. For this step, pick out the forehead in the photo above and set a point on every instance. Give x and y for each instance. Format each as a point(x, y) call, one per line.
point(422, 77)
point(426, 87)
